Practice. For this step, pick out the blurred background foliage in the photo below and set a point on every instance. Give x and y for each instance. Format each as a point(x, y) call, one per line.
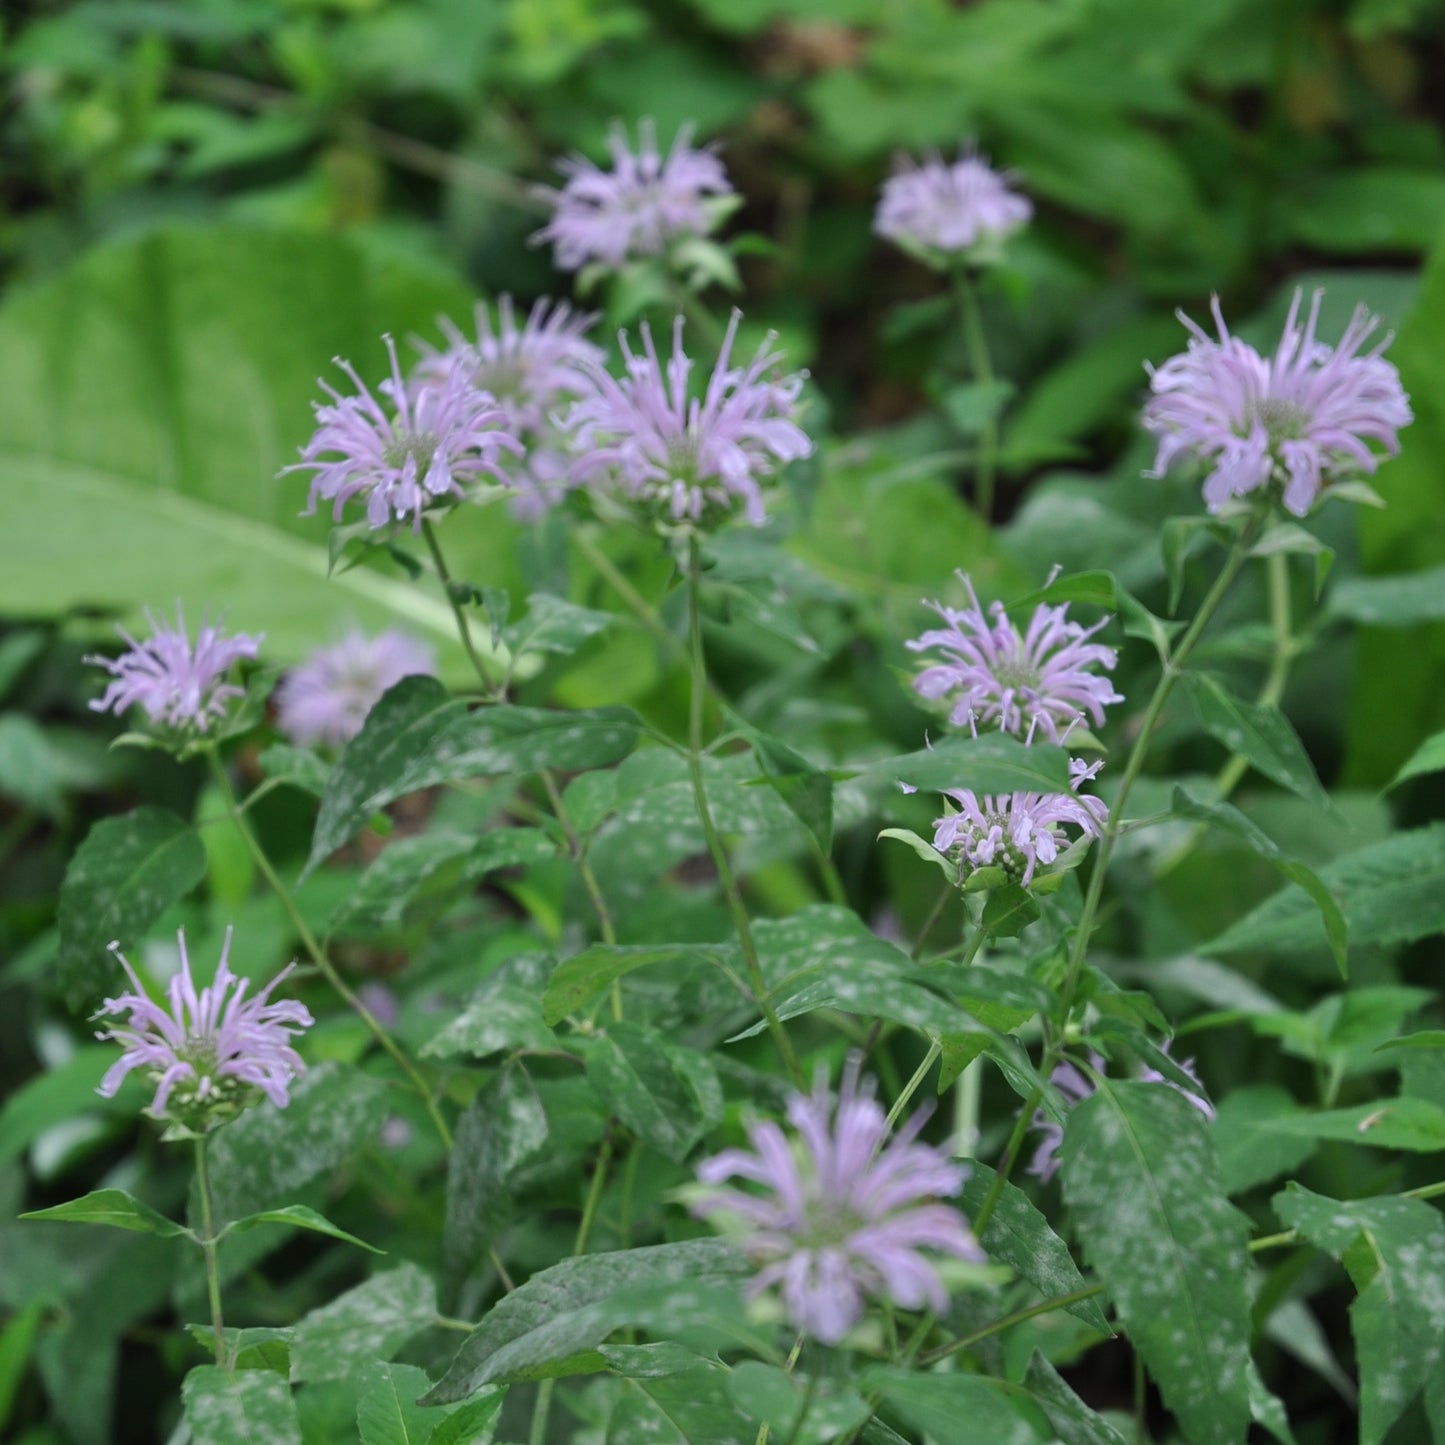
point(203, 201)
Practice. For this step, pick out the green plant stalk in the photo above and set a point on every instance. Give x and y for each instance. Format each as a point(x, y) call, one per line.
point(981, 364)
point(495, 690)
point(317, 954)
point(1022, 1125)
point(709, 827)
point(208, 1248)
point(912, 1086)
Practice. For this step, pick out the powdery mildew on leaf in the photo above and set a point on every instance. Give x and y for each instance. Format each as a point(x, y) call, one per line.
point(239, 1409)
point(1141, 1176)
point(370, 1322)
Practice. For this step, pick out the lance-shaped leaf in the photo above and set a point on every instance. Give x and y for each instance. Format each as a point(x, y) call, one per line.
point(125, 874)
point(1394, 1251)
point(1142, 1179)
point(298, 1216)
point(114, 1207)
point(1073, 1421)
point(243, 1408)
point(993, 763)
point(371, 1321)
point(419, 735)
point(578, 980)
point(572, 1307)
point(1429, 757)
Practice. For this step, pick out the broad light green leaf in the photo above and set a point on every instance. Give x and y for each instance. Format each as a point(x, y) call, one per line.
point(386, 1409)
point(17, 1338)
point(1019, 1236)
point(1261, 735)
point(262, 1158)
point(298, 1216)
point(371, 1321)
point(1403, 600)
point(1429, 757)
point(1250, 1151)
point(114, 1207)
point(1073, 1421)
point(992, 763)
point(665, 1093)
point(807, 790)
point(500, 1017)
point(937, 1404)
point(411, 869)
point(572, 1306)
point(1141, 1177)
point(680, 1409)
point(586, 975)
point(244, 1408)
point(553, 624)
point(419, 735)
point(52, 1097)
point(1228, 817)
point(1403, 1123)
point(148, 397)
point(1394, 1250)
point(504, 1128)
point(297, 767)
point(1389, 892)
point(125, 874)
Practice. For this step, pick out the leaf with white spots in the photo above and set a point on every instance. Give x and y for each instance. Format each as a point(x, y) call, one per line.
point(125, 874)
point(578, 980)
point(1394, 1251)
point(1073, 1421)
point(386, 1408)
point(371, 1321)
point(553, 624)
point(939, 1405)
point(993, 763)
point(1261, 735)
point(690, 1407)
point(1389, 891)
point(244, 1408)
point(419, 735)
point(499, 1017)
point(1142, 1179)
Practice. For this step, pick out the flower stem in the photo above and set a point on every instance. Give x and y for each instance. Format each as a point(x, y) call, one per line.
point(981, 364)
point(208, 1247)
point(912, 1086)
point(709, 826)
point(497, 690)
point(318, 955)
point(1044, 1307)
point(1021, 1127)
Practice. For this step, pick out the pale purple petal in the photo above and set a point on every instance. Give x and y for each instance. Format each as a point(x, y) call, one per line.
point(325, 699)
point(952, 209)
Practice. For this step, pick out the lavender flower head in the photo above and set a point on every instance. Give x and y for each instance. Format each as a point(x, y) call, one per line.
point(846, 1211)
point(1041, 678)
point(210, 1048)
point(1071, 1082)
point(436, 437)
point(947, 212)
point(325, 699)
point(1018, 832)
point(532, 372)
point(1302, 417)
point(639, 208)
point(178, 685)
point(690, 460)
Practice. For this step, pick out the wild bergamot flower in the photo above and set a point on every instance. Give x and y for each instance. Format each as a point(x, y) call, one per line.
point(533, 372)
point(690, 460)
point(438, 434)
point(947, 213)
point(179, 685)
point(1300, 418)
point(846, 1210)
point(1043, 678)
point(640, 207)
point(210, 1049)
point(1018, 832)
point(326, 698)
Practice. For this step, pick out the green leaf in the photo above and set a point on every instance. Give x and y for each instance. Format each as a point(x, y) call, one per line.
point(260, 1160)
point(1095, 588)
point(554, 625)
point(239, 1409)
point(500, 1017)
point(578, 980)
point(386, 1408)
point(666, 1094)
point(571, 1308)
point(125, 874)
point(469, 1424)
point(1429, 757)
point(1251, 1152)
point(1261, 735)
point(419, 735)
point(17, 1338)
point(1228, 817)
point(936, 1404)
point(1403, 600)
point(150, 395)
point(1394, 1250)
point(808, 791)
point(1142, 1179)
point(992, 763)
point(924, 849)
point(976, 405)
point(300, 1217)
point(1403, 1123)
point(52, 1098)
point(682, 1407)
point(372, 1321)
point(249, 1349)
point(296, 767)
point(1008, 910)
point(115, 1207)
point(1073, 1421)
point(1019, 1236)
point(1372, 208)
point(1388, 891)
point(504, 1128)
point(412, 869)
